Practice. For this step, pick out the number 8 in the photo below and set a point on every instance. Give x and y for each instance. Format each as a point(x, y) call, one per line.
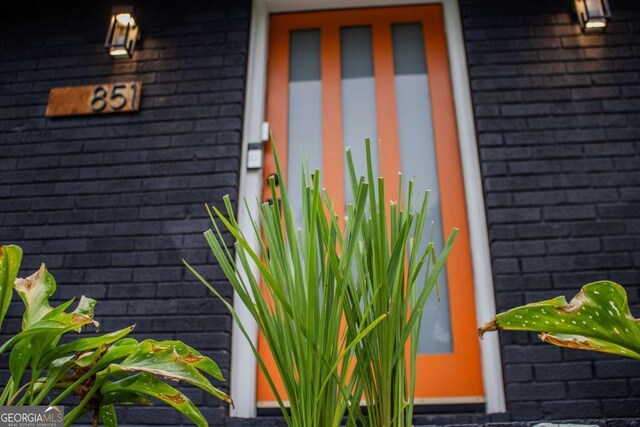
point(98, 101)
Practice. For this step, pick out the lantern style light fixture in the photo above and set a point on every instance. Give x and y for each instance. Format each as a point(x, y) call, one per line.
point(124, 32)
point(593, 15)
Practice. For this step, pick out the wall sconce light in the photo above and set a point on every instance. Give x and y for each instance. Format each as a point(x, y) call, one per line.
point(593, 15)
point(124, 32)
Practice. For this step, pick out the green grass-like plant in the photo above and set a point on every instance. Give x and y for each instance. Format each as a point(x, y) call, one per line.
point(338, 303)
point(102, 370)
point(389, 263)
point(299, 308)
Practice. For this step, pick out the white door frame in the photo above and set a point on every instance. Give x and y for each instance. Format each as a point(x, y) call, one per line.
point(243, 364)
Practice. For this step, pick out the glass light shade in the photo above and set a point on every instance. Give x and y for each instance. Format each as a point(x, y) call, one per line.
point(123, 33)
point(593, 15)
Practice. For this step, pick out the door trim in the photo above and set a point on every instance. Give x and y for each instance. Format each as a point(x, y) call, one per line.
point(243, 364)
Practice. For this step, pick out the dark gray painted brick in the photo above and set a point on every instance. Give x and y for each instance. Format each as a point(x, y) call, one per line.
point(559, 372)
point(573, 246)
point(621, 408)
point(572, 409)
point(590, 389)
point(108, 201)
point(536, 391)
point(512, 249)
point(567, 133)
point(518, 373)
point(531, 354)
point(537, 231)
point(521, 282)
point(526, 410)
point(617, 368)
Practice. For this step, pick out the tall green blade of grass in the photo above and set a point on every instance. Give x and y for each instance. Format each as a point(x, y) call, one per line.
point(388, 265)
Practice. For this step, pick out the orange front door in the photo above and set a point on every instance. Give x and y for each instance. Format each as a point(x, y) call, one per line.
point(337, 77)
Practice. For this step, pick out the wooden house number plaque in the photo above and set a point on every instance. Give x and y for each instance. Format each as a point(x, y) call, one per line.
point(122, 97)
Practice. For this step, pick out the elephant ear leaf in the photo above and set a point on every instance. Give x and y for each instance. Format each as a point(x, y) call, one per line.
point(597, 319)
point(35, 291)
point(172, 360)
point(137, 387)
point(10, 258)
point(85, 344)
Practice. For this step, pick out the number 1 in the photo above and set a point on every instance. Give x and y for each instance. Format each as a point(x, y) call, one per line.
point(134, 88)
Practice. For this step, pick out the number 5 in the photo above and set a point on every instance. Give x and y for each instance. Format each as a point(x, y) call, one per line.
point(115, 95)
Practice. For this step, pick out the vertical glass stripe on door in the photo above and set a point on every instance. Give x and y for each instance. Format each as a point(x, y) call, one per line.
point(358, 98)
point(418, 161)
point(305, 112)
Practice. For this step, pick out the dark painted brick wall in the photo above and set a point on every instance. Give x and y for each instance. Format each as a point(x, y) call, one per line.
point(558, 121)
point(113, 203)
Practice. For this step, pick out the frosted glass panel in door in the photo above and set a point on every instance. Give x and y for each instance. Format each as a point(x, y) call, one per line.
point(417, 157)
point(305, 112)
point(358, 98)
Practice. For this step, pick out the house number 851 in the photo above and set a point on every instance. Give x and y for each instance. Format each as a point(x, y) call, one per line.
point(114, 99)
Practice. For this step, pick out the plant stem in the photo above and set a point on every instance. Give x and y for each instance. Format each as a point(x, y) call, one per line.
point(6, 392)
point(69, 389)
point(80, 409)
point(17, 393)
point(26, 396)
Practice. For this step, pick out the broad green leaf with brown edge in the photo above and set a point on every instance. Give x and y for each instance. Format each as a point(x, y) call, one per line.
point(45, 342)
point(145, 384)
point(172, 360)
point(39, 339)
point(597, 319)
point(10, 258)
point(119, 350)
point(188, 354)
point(84, 344)
point(86, 307)
point(35, 291)
point(60, 324)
